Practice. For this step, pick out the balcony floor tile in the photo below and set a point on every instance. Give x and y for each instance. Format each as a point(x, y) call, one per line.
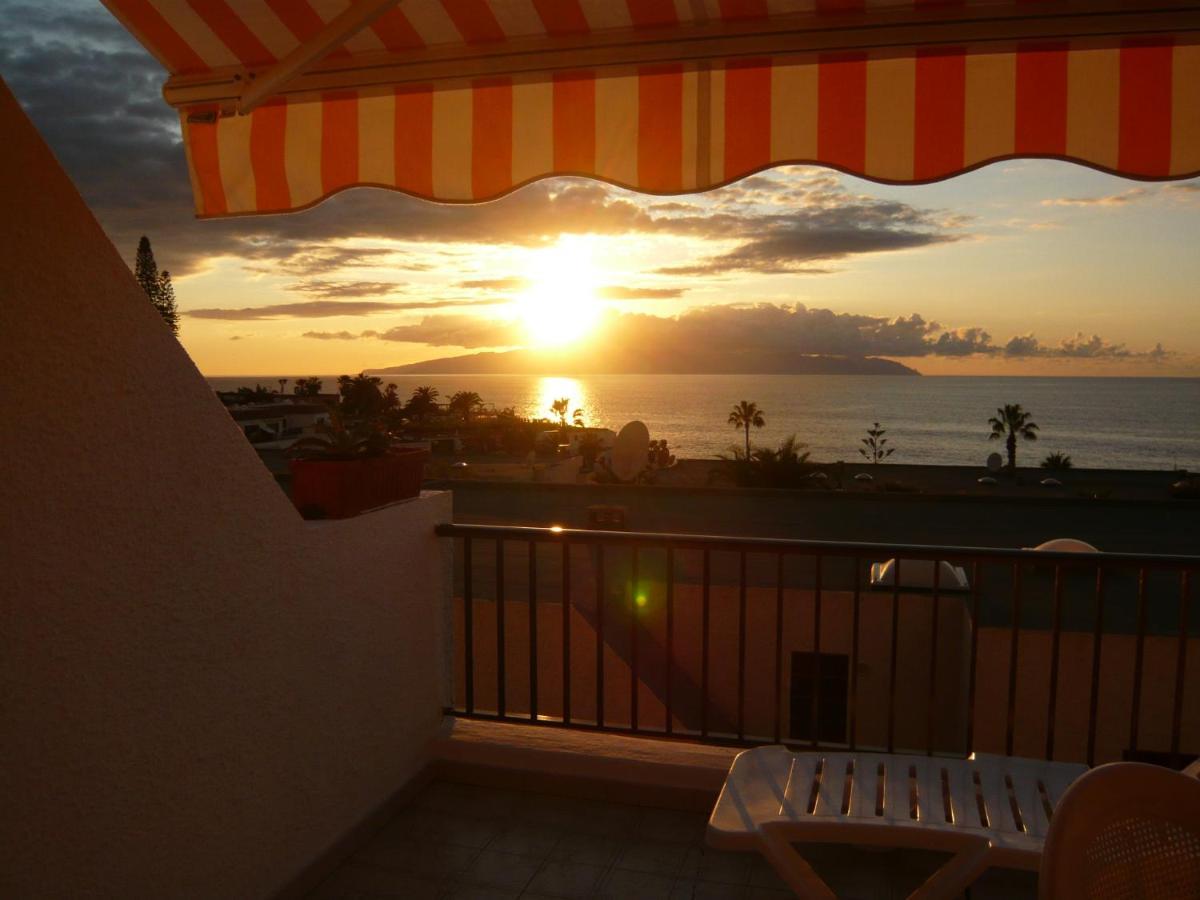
point(462, 842)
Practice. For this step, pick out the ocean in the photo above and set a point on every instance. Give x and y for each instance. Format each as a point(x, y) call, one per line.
point(1128, 423)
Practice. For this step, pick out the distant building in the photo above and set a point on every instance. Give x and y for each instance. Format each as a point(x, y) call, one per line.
point(278, 425)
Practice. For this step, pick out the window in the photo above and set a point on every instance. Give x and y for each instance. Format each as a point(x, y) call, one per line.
point(832, 693)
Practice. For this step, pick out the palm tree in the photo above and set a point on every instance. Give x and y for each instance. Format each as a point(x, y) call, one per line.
point(464, 403)
point(743, 416)
point(423, 401)
point(1012, 422)
point(577, 418)
point(560, 407)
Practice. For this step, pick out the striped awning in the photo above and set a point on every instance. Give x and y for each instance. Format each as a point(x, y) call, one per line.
point(284, 102)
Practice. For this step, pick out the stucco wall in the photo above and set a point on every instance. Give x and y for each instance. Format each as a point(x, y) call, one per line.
point(199, 692)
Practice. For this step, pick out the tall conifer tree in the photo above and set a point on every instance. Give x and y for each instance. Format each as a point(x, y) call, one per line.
point(157, 285)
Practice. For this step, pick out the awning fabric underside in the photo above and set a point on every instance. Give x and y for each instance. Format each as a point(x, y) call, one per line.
point(1124, 103)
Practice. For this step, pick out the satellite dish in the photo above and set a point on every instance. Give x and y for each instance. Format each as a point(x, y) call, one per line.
point(630, 451)
point(995, 462)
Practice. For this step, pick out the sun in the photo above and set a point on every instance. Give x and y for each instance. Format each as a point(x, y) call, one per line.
point(560, 305)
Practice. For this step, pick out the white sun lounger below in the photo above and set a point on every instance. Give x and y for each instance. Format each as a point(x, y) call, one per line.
point(986, 810)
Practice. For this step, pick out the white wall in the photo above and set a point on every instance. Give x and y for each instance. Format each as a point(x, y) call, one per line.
point(199, 692)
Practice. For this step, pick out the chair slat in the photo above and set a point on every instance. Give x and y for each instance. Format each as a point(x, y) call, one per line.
point(799, 786)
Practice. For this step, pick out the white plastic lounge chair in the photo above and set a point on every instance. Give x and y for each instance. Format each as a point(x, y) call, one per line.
point(986, 811)
point(918, 573)
point(1125, 830)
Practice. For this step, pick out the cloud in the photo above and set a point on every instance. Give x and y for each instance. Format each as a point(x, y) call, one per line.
point(620, 292)
point(511, 283)
point(321, 309)
point(760, 328)
point(1130, 196)
point(1080, 346)
point(345, 288)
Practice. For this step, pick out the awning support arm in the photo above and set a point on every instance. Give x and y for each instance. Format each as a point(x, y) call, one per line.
point(336, 32)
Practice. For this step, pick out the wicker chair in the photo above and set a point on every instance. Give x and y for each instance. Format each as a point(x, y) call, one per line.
point(1125, 830)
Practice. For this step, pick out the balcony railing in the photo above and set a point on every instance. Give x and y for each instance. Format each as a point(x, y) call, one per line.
point(1067, 656)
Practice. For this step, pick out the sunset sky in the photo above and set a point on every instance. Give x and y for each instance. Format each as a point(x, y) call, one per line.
point(1032, 267)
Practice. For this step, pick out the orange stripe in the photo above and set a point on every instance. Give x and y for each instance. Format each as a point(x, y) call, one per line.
point(474, 20)
point(268, 132)
point(575, 122)
point(202, 138)
point(1146, 80)
point(339, 140)
point(649, 13)
point(301, 20)
point(396, 32)
point(1041, 119)
point(747, 116)
point(660, 128)
point(164, 40)
point(414, 139)
point(562, 16)
point(491, 137)
point(744, 9)
point(940, 112)
point(232, 31)
point(842, 110)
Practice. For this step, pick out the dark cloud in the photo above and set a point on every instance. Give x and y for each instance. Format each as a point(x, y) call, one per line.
point(331, 335)
point(469, 332)
point(322, 309)
point(1080, 346)
point(95, 95)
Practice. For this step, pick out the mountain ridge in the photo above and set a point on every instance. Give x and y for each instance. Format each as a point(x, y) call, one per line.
point(707, 361)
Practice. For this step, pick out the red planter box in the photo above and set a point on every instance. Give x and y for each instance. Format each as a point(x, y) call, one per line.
point(338, 489)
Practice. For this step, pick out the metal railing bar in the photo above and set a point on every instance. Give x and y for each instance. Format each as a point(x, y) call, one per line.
point(468, 625)
point(633, 638)
point(707, 571)
point(973, 665)
point(500, 643)
point(1055, 642)
point(1180, 665)
point(778, 693)
point(741, 661)
point(600, 604)
point(1097, 642)
point(933, 658)
point(854, 624)
point(668, 698)
point(1013, 653)
point(815, 710)
point(807, 547)
point(566, 632)
point(1135, 714)
point(891, 724)
point(533, 634)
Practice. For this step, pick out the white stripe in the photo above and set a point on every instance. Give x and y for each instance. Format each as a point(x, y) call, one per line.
point(431, 22)
point(196, 33)
point(452, 121)
point(377, 138)
point(302, 151)
point(233, 158)
point(602, 14)
point(517, 18)
point(267, 27)
point(533, 130)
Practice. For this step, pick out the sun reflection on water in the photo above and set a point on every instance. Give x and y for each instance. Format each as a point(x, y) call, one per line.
point(551, 389)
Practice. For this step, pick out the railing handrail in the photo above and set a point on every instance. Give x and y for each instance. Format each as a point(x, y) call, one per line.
point(810, 547)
